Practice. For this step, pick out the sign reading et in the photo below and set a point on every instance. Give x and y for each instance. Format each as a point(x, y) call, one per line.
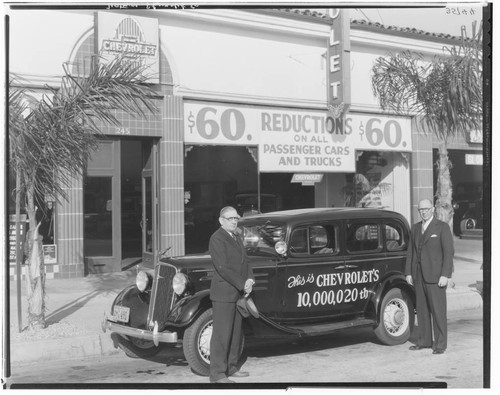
point(339, 49)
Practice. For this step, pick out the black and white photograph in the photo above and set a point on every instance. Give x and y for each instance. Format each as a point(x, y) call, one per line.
point(248, 196)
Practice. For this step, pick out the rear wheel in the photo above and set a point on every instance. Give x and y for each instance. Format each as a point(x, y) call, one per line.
point(396, 318)
point(134, 347)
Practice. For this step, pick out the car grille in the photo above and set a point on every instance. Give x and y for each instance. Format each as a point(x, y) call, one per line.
point(162, 296)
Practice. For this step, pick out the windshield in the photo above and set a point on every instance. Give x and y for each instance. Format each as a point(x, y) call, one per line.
point(260, 237)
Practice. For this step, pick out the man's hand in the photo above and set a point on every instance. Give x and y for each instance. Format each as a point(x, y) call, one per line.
point(443, 281)
point(409, 279)
point(249, 286)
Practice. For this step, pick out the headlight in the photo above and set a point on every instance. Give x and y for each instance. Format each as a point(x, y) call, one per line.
point(280, 247)
point(179, 283)
point(142, 281)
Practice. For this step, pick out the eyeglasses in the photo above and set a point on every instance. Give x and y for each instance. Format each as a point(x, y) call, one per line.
point(423, 210)
point(232, 218)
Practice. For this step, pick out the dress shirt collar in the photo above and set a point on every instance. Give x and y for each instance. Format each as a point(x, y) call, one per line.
point(426, 224)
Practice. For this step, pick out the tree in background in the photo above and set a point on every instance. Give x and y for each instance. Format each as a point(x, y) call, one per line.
point(52, 138)
point(445, 94)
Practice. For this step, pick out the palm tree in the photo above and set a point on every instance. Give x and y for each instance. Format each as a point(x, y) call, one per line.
point(51, 140)
point(444, 93)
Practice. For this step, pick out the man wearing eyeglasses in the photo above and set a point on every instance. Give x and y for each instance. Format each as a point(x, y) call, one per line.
point(429, 265)
point(232, 278)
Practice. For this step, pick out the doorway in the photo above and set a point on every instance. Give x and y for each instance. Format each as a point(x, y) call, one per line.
point(120, 205)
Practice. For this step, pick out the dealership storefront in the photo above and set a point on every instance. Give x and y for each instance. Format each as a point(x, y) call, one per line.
point(266, 158)
point(285, 119)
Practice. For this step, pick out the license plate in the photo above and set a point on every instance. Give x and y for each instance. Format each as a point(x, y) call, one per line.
point(121, 313)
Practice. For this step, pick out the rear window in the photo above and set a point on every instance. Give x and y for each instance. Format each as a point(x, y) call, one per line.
point(395, 237)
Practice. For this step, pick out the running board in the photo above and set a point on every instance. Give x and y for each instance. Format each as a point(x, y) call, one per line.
point(317, 329)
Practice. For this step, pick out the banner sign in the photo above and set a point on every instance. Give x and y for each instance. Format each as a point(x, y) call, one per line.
point(134, 37)
point(295, 140)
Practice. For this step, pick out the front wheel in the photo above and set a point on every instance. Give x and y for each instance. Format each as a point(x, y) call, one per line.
point(396, 318)
point(196, 343)
point(468, 224)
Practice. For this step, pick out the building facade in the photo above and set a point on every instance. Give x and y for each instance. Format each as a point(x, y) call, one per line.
point(260, 109)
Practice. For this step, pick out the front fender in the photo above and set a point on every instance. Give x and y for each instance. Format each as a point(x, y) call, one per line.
point(137, 302)
point(390, 282)
point(189, 308)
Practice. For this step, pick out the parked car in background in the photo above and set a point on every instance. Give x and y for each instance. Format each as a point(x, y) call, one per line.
point(468, 207)
point(247, 203)
point(317, 271)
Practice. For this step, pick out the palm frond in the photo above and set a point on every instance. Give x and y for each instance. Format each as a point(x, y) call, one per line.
point(446, 91)
point(53, 143)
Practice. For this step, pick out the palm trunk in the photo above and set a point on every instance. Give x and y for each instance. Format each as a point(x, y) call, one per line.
point(444, 207)
point(35, 269)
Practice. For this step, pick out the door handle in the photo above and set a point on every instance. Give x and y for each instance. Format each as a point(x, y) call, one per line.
point(339, 267)
point(351, 266)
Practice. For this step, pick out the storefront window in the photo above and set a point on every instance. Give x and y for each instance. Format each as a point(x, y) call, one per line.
point(218, 176)
point(214, 177)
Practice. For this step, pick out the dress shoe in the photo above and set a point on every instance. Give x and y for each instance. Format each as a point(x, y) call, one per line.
point(438, 351)
point(416, 348)
point(239, 373)
point(223, 380)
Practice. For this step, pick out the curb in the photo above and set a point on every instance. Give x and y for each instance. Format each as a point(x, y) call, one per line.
point(61, 349)
point(100, 344)
point(463, 298)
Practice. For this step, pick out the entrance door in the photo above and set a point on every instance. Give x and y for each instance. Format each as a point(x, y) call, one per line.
point(120, 206)
point(102, 208)
point(149, 222)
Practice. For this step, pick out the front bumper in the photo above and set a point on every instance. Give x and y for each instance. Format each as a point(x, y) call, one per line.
point(156, 337)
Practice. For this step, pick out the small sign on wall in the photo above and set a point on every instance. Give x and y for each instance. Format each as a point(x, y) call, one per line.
point(474, 159)
point(50, 254)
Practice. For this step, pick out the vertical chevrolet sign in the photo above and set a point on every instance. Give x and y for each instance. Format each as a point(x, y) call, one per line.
point(133, 37)
point(338, 62)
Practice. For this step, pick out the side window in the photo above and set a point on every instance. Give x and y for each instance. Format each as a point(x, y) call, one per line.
point(298, 241)
point(362, 237)
point(314, 240)
point(323, 239)
point(394, 237)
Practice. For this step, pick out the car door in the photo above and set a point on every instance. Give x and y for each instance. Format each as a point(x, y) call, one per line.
point(314, 273)
point(365, 262)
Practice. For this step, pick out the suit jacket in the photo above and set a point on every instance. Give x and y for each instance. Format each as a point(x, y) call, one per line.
point(434, 249)
point(231, 265)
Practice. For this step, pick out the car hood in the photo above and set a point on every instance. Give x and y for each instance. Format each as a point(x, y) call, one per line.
point(193, 261)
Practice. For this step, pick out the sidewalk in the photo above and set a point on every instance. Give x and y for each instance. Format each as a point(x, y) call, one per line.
point(75, 309)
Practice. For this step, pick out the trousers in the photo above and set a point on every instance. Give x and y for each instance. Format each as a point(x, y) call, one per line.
point(431, 313)
point(226, 341)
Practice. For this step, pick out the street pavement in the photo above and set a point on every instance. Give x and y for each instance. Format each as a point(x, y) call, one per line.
point(75, 309)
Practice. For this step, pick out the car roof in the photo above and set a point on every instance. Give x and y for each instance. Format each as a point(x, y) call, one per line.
point(322, 214)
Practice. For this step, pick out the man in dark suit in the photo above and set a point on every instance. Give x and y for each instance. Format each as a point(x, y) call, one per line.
point(429, 265)
point(232, 277)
